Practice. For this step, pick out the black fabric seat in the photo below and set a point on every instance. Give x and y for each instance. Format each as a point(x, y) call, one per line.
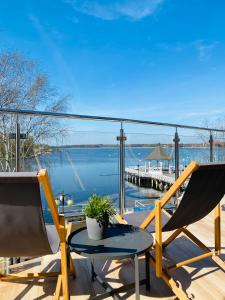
point(136, 218)
point(205, 190)
point(23, 230)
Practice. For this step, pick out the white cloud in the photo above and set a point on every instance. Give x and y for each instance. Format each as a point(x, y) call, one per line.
point(204, 49)
point(133, 9)
point(212, 112)
point(74, 19)
point(174, 47)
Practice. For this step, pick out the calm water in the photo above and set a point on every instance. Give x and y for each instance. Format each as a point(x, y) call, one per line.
point(80, 172)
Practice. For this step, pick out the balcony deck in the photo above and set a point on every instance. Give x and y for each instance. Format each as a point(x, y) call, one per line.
point(201, 280)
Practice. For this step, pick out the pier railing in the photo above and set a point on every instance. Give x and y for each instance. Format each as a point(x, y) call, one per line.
point(131, 140)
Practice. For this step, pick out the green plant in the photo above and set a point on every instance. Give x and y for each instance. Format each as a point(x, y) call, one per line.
point(99, 208)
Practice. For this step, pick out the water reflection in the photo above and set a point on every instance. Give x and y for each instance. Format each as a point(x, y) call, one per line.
point(81, 172)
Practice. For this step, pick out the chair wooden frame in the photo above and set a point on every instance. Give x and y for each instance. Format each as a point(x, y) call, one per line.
point(162, 272)
point(63, 231)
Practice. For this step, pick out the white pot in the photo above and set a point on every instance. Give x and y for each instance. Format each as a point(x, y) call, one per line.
point(96, 230)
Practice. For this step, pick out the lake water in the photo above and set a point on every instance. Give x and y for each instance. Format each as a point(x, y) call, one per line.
point(80, 172)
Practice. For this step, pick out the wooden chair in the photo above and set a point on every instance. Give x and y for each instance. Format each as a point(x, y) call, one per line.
point(23, 230)
point(203, 194)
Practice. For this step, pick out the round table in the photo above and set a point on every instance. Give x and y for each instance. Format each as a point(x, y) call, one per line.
point(121, 241)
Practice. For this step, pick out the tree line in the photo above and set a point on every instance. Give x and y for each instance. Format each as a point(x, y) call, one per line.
point(24, 86)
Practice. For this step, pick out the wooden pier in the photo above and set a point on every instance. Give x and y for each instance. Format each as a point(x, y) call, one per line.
point(154, 178)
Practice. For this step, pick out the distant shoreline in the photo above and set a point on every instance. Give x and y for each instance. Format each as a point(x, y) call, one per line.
point(128, 145)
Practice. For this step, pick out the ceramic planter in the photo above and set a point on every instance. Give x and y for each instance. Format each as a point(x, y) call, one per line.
point(96, 230)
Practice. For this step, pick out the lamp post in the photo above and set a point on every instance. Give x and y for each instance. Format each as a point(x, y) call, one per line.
point(63, 198)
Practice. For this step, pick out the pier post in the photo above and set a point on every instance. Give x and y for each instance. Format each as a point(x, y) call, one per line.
point(17, 145)
point(176, 144)
point(122, 138)
point(211, 147)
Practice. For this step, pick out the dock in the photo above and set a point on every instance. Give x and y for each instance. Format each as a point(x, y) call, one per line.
point(155, 178)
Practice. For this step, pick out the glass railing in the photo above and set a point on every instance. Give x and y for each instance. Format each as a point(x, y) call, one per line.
point(193, 147)
point(149, 168)
point(84, 157)
point(88, 165)
point(219, 148)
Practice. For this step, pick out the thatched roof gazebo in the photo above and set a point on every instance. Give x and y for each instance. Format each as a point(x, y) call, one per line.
point(158, 154)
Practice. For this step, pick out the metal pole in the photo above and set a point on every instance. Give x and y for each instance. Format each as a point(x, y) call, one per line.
point(99, 118)
point(138, 175)
point(63, 201)
point(17, 145)
point(122, 139)
point(176, 144)
point(136, 273)
point(211, 147)
point(17, 259)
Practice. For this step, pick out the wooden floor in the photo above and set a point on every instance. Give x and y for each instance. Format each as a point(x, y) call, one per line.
point(202, 280)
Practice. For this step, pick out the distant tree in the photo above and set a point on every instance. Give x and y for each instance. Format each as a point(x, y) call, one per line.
point(24, 86)
point(218, 123)
point(218, 137)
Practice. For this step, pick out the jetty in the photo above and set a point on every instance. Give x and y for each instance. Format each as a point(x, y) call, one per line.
point(153, 177)
point(156, 177)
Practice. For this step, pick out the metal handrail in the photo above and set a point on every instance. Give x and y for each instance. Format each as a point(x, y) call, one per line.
point(99, 118)
point(121, 138)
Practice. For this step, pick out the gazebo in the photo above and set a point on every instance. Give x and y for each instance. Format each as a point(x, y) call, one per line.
point(158, 154)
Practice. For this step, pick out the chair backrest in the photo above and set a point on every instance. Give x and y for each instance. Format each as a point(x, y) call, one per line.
point(204, 191)
point(23, 231)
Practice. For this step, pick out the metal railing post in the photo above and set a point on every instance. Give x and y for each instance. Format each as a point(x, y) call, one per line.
point(17, 145)
point(211, 147)
point(122, 138)
point(176, 145)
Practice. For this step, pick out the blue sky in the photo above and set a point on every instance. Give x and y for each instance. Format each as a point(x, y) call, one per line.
point(159, 60)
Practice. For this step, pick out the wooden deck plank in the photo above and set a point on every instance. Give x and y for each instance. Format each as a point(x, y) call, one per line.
point(203, 280)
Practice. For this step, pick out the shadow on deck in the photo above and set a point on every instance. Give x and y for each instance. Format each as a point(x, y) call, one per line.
point(201, 280)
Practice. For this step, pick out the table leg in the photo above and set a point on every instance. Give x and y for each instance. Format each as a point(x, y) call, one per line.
point(92, 271)
point(105, 285)
point(147, 270)
point(137, 287)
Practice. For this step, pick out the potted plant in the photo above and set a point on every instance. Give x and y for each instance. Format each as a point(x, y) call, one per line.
point(97, 212)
